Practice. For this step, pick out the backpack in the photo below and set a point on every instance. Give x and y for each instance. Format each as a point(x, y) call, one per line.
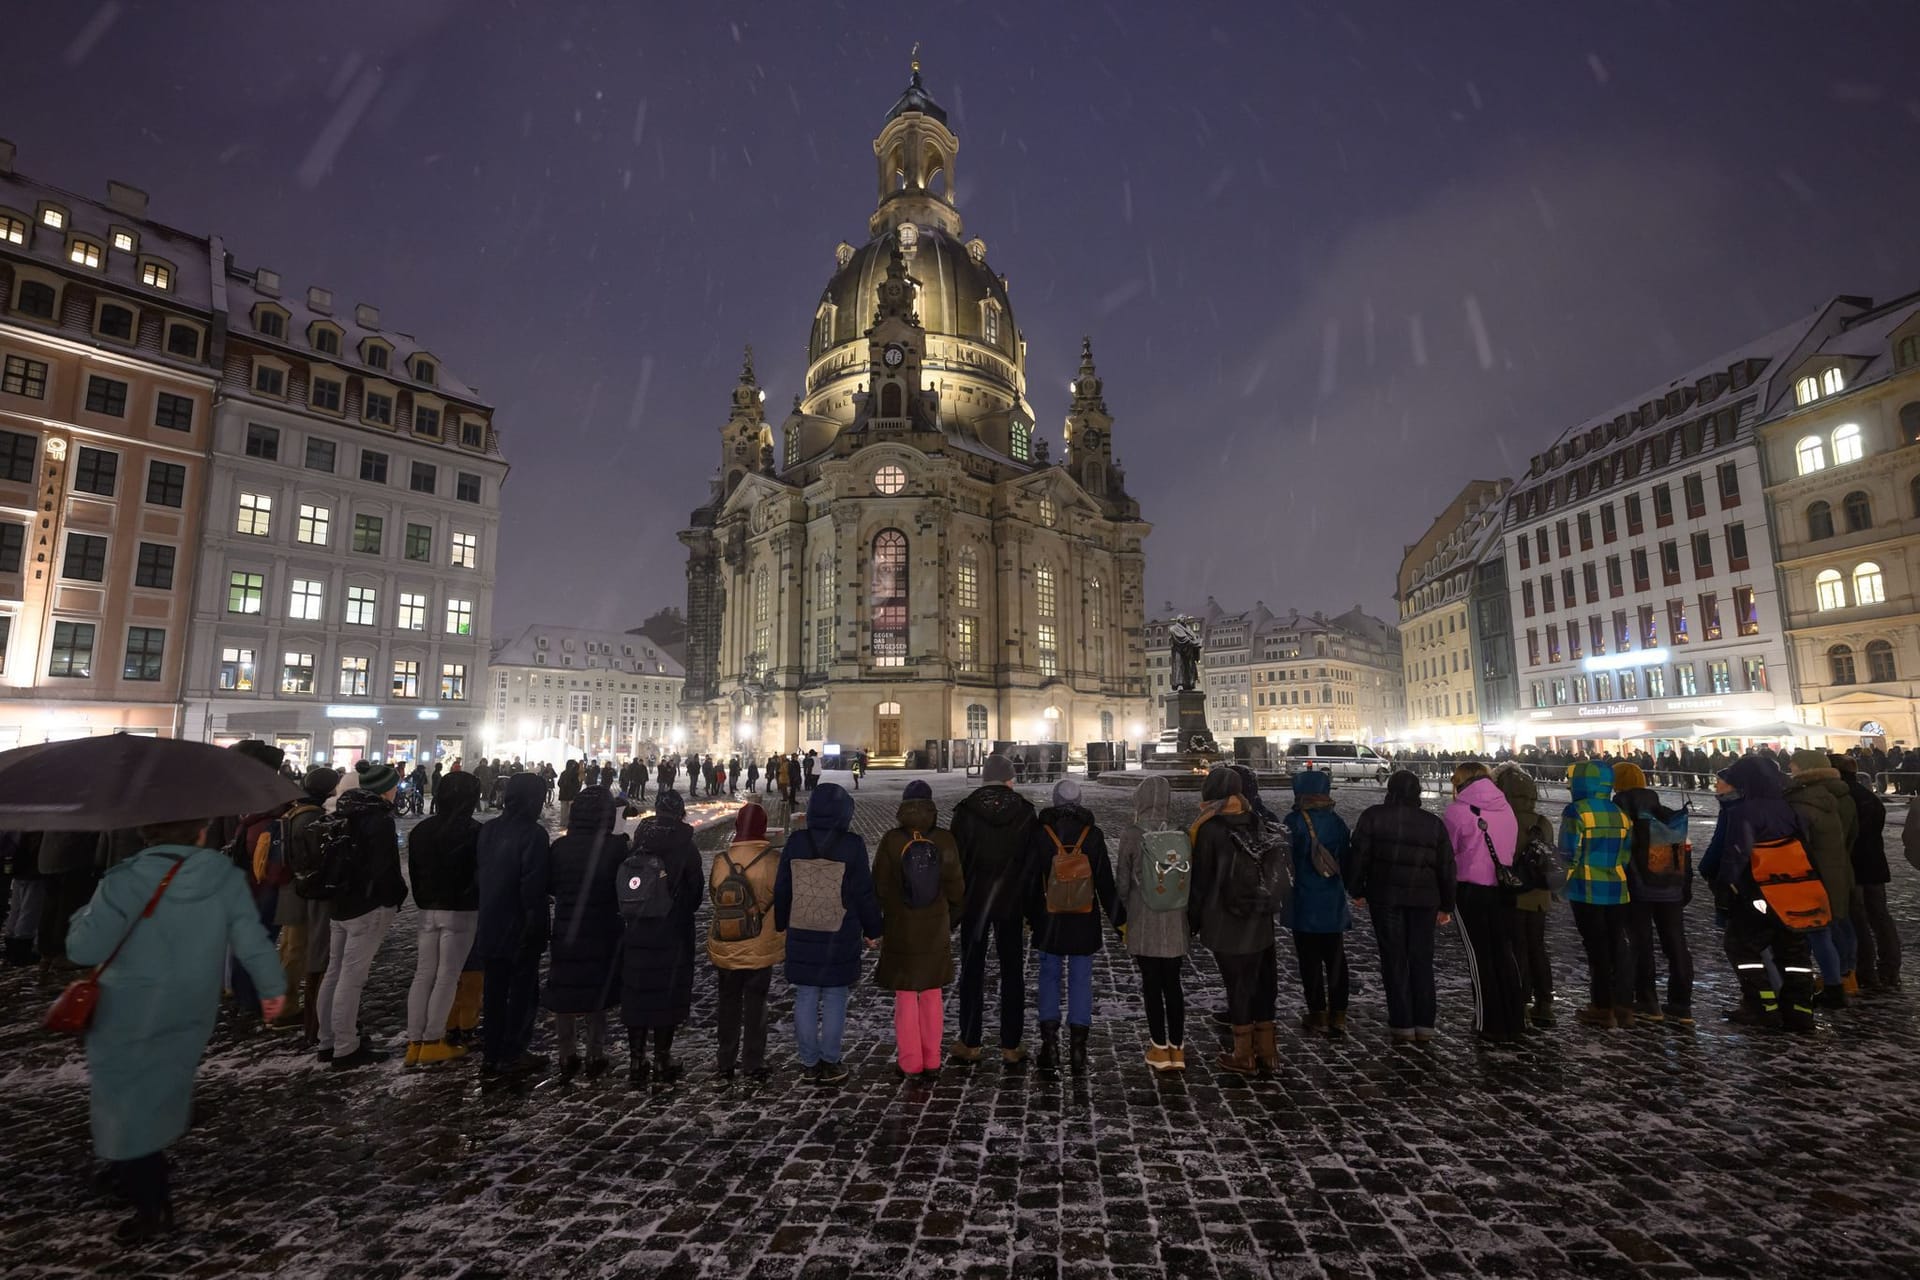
point(643, 890)
point(1069, 877)
point(920, 871)
point(1540, 867)
point(738, 912)
point(339, 867)
point(1247, 889)
point(817, 904)
point(1663, 865)
point(1166, 867)
point(1787, 880)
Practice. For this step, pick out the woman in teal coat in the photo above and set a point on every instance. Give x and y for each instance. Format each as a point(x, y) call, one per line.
point(158, 1000)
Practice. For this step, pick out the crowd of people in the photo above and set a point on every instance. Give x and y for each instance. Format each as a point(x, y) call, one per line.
point(601, 923)
point(1893, 769)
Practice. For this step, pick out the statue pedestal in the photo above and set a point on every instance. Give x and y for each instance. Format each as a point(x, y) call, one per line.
point(1194, 751)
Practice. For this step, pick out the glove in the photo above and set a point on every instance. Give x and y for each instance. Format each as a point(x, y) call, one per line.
point(272, 1007)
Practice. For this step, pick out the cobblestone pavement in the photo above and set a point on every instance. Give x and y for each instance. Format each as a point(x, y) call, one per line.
point(1651, 1152)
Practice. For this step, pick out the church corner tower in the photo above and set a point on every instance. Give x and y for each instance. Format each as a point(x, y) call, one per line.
point(910, 567)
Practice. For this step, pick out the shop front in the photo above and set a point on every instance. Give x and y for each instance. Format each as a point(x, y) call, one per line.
point(1651, 724)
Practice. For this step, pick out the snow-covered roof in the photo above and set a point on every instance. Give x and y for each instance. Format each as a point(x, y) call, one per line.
point(589, 648)
point(189, 256)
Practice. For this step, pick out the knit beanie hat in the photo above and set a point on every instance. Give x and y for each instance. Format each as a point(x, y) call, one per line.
point(670, 805)
point(1628, 776)
point(377, 777)
point(1809, 758)
point(750, 823)
point(320, 782)
point(997, 769)
point(1066, 792)
point(917, 790)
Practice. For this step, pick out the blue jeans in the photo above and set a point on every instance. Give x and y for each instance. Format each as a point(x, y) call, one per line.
point(1079, 989)
point(819, 1023)
point(1826, 954)
point(1847, 943)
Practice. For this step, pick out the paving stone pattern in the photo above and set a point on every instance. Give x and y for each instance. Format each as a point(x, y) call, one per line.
point(1651, 1152)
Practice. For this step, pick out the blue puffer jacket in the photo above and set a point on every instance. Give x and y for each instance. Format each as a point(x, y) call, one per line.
point(1757, 810)
point(1319, 903)
point(512, 874)
point(816, 959)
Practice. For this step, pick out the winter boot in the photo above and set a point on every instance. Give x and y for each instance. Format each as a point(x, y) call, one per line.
point(1834, 997)
point(1239, 1059)
point(569, 1068)
point(637, 1072)
point(1159, 1056)
point(1595, 1015)
point(964, 1055)
point(1014, 1059)
point(1541, 1014)
point(1648, 1009)
point(1266, 1053)
point(1179, 1053)
point(1624, 1017)
point(413, 1053)
point(1049, 1059)
point(1851, 983)
point(1315, 1020)
point(1798, 1016)
point(144, 1227)
point(1678, 1013)
point(433, 1053)
point(1336, 1025)
point(1077, 1049)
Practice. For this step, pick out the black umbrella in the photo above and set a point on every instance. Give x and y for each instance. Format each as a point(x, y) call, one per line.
point(120, 780)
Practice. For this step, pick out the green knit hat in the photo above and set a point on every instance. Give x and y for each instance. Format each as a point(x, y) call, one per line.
point(1810, 758)
point(377, 777)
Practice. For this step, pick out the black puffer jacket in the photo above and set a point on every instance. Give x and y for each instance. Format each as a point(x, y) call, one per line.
point(1402, 856)
point(993, 827)
point(370, 820)
point(443, 850)
point(1870, 844)
point(583, 972)
point(656, 970)
point(1077, 934)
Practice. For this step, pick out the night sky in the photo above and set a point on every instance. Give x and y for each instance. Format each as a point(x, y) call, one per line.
point(1336, 258)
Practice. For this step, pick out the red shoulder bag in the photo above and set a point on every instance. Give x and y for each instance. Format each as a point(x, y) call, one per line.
point(72, 1013)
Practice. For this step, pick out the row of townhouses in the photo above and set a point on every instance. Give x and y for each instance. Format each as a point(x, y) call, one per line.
point(1726, 556)
point(227, 508)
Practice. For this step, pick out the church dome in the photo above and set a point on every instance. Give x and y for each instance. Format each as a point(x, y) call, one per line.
point(954, 285)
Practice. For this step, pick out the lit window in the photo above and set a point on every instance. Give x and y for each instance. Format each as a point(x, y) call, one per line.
point(890, 479)
point(1044, 598)
point(256, 515)
point(1846, 444)
point(25, 377)
point(55, 218)
point(993, 324)
point(459, 617)
point(966, 583)
point(413, 612)
point(367, 534)
point(1811, 455)
point(12, 230)
point(1049, 649)
point(236, 669)
point(245, 591)
point(123, 241)
point(1868, 586)
point(966, 643)
point(1830, 590)
point(83, 253)
point(296, 673)
point(308, 601)
point(353, 677)
point(1832, 383)
point(453, 682)
point(1840, 664)
point(363, 606)
point(1020, 444)
point(1047, 513)
point(889, 599)
point(466, 550)
point(156, 275)
point(406, 678)
point(314, 524)
point(1806, 390)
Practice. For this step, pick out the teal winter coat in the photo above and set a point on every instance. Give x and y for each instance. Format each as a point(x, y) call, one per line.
point(158, 999)
point(1319, 904)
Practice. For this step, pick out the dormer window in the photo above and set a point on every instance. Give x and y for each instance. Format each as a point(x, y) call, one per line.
point(84, 253)
point(114, 321)
point(426, 420)
point(36, 298)
point(423, 370)
point(325, 339)
point(122, 240)
point(990, 324)
point(1020, 442)
point(13, 230)
point(183, 340)
point(156, 275)
point(270, 321)
point(1806, 390)
point(473, 433)
point(1832, 383)
point(52, 215)
point(377, 354)
point(1906, 352)
point(269, 379)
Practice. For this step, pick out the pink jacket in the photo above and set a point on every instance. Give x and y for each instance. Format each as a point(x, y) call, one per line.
point(1469, 846)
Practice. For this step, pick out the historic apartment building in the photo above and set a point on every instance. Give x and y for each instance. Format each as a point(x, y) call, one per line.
point(1841, 448)
point(557, 693)
point(346, 586)
point(913, 566)
point(1641, 576)
point(107, 324)
point(1454, 651)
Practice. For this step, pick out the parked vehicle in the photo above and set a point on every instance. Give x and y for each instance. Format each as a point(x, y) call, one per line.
point(1346, 760)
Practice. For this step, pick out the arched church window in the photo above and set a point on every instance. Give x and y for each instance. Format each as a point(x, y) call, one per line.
point(891, 401)
point(1096, 629)
point(888, 622)
point(976, 721)
point(762, 610)
point(966, 580)
point(823, 605)
point(1020, 442)
point(991, 324)
point(793, 444)
point(1046, 633)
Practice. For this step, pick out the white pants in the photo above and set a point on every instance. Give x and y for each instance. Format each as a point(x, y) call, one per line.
point(351, 947)
point(445, 938)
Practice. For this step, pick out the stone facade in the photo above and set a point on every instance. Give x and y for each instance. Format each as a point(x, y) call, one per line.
point(914, 567)
point(1441, 640)
point(556, 693)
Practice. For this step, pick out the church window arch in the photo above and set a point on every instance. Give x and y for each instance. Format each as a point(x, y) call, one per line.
point(892, 401)
point(793, 444)
point(1046, 631)
point(977, 721)
point(823, 605)
point(1020, 442)
point(966, 580)
point(1096, 629)
point(887, 624)
point(762, 614)
point(990, 322)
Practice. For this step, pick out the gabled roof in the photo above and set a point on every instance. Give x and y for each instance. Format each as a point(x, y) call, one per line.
point(616, 652)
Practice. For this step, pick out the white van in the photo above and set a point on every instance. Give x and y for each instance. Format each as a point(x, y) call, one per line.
point(1345, 760)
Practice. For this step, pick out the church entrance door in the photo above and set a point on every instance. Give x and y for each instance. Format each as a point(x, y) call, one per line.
point(886, 730)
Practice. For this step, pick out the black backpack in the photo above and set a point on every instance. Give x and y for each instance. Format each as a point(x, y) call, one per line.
point(334, 864)
point(643, 889)
point(920, 871)
point(1247, 887)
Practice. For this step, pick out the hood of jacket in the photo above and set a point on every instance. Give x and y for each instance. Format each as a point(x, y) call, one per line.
point(829, 809)
point(593, 811)
point(660, 833)
point(1151, 800)
point(1518, 786)
point(1403, 788)
point(526, 795)
point(917, 815)
point(1808, 789)
point(1590, 780)
point(361, 801)
point(457, 796)
point(995, 805)
point(1311, 782)
point(1483, 795)
point(199, 878)
point(1756, 778)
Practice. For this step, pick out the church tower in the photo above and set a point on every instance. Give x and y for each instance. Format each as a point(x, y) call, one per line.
point(746, 442)
point(1089, 430)
point(915, 153)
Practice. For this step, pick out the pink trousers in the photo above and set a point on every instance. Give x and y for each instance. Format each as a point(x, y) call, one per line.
point(917, 1027)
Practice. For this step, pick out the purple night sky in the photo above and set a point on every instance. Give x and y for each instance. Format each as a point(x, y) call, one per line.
point(1336, 258)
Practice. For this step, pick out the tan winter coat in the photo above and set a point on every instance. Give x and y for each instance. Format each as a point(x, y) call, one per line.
point(770, 947)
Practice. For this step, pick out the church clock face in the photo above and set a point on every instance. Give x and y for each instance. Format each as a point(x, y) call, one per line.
point(893, 355)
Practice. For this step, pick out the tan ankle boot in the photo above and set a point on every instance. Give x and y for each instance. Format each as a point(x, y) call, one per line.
point(1266, 1053)
point(1240, 1059)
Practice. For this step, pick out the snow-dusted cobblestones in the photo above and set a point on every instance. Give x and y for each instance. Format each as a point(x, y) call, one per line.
point(1656, 1151)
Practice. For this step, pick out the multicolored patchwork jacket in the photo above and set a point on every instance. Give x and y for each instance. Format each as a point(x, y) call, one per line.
point(1596, 838)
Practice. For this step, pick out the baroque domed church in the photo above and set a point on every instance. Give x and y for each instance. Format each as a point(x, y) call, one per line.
point(903, 561)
